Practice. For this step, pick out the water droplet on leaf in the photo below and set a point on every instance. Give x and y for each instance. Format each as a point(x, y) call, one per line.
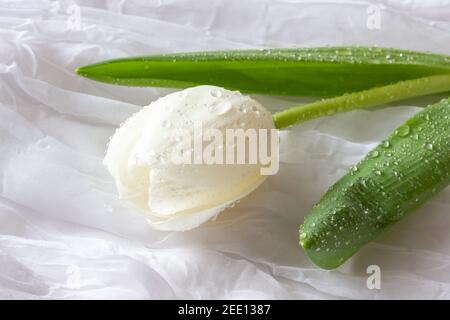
point(403, 131)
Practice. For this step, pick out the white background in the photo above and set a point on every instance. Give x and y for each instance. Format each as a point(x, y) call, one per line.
point(64, 233)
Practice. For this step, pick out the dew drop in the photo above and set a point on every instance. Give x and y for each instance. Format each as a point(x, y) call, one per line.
point(219, 108)
point(216, 93)
point(255, 110)
point(166, 124)
point(374, 154)
point(377, 172)
point(428, 146)
point(403, 131)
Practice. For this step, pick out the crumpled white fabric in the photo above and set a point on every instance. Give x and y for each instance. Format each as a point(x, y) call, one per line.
point(65, 234)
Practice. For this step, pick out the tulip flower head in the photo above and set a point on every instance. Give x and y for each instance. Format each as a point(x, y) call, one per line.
point(189, 155)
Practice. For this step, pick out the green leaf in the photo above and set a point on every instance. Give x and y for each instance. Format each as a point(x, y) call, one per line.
point(398, 176)
point(327, 71)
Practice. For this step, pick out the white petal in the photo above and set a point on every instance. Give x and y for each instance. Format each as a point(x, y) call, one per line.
point(131, 181)
point(190, 220)
point(193, 188)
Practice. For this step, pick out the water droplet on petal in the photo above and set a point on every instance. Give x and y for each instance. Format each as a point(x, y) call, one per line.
point(166, 124)
point(242, 109)
point(216, 93)
point(219, 108)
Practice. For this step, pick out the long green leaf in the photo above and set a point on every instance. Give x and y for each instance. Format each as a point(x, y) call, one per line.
point(327, 71)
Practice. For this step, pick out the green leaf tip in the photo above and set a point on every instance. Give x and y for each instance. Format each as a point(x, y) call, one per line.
point(80, 71)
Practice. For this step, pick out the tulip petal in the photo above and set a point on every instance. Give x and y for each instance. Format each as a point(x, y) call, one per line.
point(131, 180)
point(176, 189)
point(190, 220)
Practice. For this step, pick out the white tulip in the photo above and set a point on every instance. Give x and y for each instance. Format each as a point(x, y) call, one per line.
point(182, 196)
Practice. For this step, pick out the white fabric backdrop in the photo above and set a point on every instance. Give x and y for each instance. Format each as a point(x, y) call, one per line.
point(64, 233)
